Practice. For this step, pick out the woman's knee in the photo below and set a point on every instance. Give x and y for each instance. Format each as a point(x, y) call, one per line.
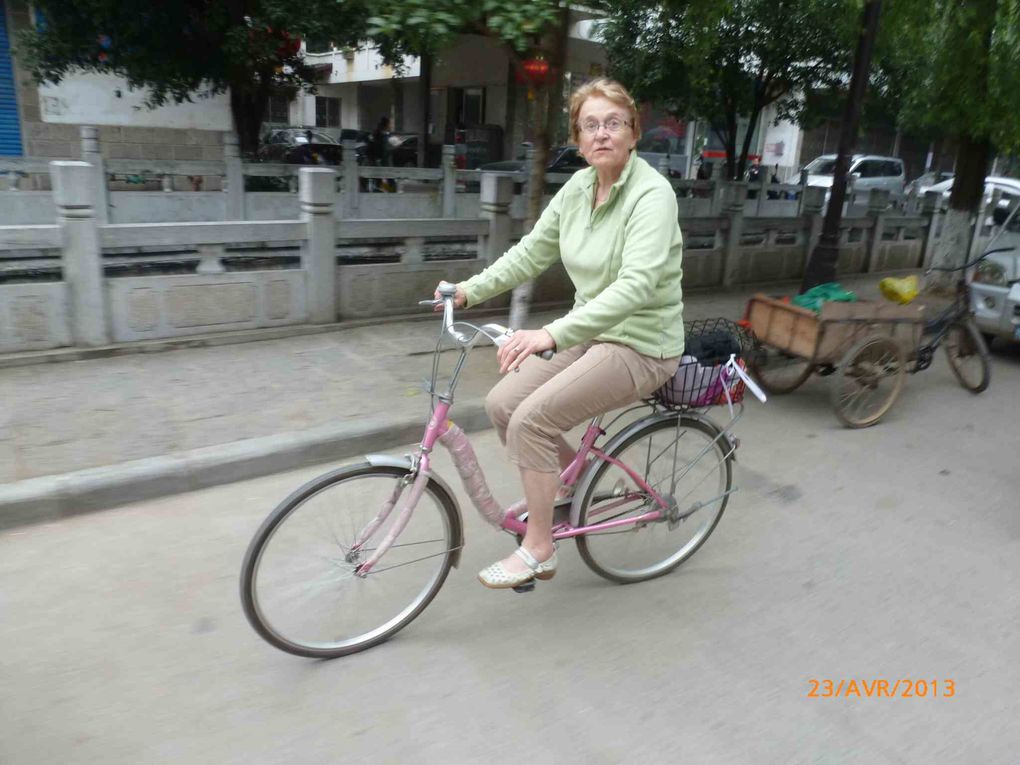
point(498, 411)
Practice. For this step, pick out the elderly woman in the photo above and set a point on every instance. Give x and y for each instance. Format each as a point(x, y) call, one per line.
point(614, 225)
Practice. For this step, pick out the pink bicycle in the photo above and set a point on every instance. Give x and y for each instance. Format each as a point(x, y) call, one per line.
point(355, 555)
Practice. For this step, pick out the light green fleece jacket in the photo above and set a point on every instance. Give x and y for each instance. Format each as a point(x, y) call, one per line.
point(624, 259)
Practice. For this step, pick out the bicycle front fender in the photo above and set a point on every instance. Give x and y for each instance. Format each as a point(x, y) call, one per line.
point(387, 460)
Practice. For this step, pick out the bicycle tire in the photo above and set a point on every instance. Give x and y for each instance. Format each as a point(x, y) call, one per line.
point(436, 505)
point(708, 440)
point(778, 372)
point(862, 372)
point(962, 341)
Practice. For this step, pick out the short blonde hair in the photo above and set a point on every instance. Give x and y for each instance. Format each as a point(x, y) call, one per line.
point(606, 88)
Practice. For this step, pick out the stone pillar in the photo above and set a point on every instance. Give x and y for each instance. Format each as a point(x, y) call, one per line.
point(529, 159)
point(733, 208)
point(878, 201)
point(812, 202)
point(168, 182)
point(496, 197)
point(663, 166)
point(931, 207)
point(91, 154)
point(234, 177)
point(449, 182)
point(352, 186)
point(317, 194)
point(81, 258)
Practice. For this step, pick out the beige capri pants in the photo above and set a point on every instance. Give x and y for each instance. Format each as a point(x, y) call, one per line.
point(530, 408)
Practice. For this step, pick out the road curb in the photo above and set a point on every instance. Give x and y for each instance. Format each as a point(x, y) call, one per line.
point(51, 498)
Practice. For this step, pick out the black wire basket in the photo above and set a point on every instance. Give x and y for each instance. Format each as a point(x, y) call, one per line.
point(702, 379)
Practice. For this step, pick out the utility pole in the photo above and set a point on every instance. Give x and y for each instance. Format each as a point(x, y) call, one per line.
point(821, 266)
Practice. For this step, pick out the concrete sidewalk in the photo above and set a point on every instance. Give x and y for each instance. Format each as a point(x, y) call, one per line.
point(94, 433)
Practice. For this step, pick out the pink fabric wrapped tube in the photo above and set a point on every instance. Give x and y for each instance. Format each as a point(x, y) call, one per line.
point(471, 474)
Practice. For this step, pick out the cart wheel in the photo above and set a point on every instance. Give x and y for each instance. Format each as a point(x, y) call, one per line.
point(968, 356)
point(867, 381)
point(778, 371)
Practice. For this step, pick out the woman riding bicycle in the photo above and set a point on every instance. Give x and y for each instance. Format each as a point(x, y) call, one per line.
point(615, 227)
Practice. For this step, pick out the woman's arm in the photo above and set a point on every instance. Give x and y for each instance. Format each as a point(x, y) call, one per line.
point(522, 262)
point(648, 237)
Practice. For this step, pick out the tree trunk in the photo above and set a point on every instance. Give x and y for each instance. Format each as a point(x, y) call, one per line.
point(547, 105)
point(746, 147)
point(248, 108)
point(953, 246)
point(425, 93)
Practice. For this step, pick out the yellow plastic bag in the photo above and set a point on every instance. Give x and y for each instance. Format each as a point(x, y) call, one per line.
point(900, 291)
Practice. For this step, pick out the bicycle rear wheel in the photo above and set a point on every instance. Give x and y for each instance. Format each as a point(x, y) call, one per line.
point(968, 356)
point(689, 463)
point(298, 586)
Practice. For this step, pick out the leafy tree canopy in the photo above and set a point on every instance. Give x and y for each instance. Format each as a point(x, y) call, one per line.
point(177, 49)
point(720, 61)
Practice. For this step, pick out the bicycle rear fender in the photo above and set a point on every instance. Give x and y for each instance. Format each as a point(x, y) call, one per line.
point(387, 460)
point(623, 435)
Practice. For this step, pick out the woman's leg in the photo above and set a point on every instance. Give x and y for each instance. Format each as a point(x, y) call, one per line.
point(604, 378)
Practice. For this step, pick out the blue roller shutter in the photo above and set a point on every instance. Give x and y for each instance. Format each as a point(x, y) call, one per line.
point(10, 126)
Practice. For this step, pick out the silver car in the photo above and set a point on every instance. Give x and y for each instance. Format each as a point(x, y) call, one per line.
point(995, 287)
point(869, 171)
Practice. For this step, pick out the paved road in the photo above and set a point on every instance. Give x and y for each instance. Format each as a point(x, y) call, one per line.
point(888, 553)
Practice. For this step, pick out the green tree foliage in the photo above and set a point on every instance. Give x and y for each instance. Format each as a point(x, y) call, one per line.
point(723, 60)
point(183, 48)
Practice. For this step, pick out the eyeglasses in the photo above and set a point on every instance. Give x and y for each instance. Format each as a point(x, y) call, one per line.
point(613, 125)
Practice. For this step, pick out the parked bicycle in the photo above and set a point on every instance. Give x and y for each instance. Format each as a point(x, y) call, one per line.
point(355, 555)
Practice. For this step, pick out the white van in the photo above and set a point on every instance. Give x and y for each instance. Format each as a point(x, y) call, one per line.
point(868, 171)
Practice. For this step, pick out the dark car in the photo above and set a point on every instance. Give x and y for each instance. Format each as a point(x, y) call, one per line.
point(403, 150)
point(301, 146)
point(562, 159)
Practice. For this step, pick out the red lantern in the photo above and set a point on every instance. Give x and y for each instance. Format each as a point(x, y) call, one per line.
point(536, 70)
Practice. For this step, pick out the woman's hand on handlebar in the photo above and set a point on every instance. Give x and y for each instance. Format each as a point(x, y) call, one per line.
point(459, 299)
point(522, 344)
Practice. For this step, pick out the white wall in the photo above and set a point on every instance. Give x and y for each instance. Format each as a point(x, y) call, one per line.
point(98, 99)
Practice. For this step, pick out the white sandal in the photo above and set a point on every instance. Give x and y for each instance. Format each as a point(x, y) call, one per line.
point(496, 576)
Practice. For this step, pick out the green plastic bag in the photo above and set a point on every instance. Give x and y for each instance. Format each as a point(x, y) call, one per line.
point(814, 297)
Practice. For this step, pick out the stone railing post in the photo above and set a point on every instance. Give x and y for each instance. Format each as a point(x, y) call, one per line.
point(812, 201)
point(449, 182)
point(317, 195)
point(352, 184)
point(663, 166)
point(733, 209)
point(233, 177)
point(81, 257)
point(878, 201)
point(496, 196)
point(92, 155)
point(931, 207)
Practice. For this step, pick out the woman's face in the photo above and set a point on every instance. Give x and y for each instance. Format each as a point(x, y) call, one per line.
point(605, 150)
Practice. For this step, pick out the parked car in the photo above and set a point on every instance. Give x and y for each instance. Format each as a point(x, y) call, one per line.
point(926, 181)
point(300, 146)
point(869, 171)
point(995, 284)
point(1008, 188)
point(404, 150)
point(562, 159)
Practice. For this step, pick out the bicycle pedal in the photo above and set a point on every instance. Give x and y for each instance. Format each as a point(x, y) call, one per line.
point(526, 587)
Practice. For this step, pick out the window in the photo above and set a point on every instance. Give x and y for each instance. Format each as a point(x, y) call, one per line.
point(893, 168)
point(318, 45)
point(473, 106)
point(869, 168)
point(327, 112)
point(279, 110)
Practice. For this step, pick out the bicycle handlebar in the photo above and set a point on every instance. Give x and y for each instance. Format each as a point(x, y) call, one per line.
point(974, 262)
point(500, 335)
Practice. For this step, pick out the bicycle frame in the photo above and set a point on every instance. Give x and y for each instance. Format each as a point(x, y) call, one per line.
point(439, 424)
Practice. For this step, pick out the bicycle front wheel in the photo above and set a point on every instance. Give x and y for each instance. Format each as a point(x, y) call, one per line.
point(298, 583)
point(968, 356)
point(686, 461)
